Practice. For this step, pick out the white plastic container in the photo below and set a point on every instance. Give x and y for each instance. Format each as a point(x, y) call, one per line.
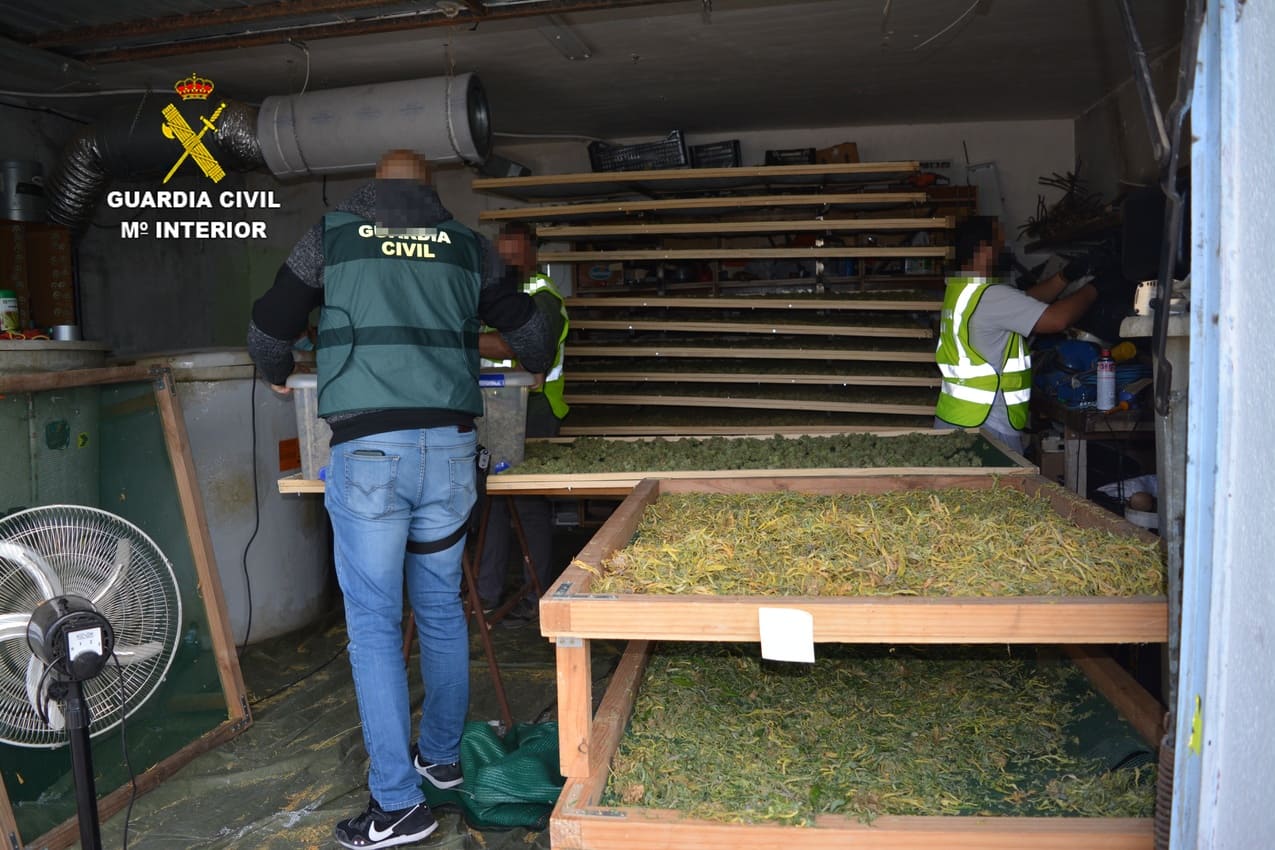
point(502, 428)
point(313, 433)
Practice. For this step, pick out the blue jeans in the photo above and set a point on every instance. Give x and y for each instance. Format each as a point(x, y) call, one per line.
point(382, 491)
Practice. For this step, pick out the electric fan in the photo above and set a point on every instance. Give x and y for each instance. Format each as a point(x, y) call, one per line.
point(80, 589)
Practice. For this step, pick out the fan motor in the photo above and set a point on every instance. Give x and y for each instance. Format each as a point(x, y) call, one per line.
point(70, 635)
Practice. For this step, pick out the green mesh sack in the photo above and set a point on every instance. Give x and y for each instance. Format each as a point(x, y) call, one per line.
point(509, 782)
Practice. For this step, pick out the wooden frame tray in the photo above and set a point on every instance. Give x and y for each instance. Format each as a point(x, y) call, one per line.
point(570, 615)
point(579, 822)
point(610, 483)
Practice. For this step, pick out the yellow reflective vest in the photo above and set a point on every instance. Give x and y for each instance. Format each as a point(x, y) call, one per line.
point(970, 380)
point(555, 382)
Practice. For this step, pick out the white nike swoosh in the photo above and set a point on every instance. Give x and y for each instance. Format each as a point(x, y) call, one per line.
point(377, 835)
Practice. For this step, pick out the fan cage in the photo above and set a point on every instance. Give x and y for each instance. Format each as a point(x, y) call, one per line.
point(80, 544)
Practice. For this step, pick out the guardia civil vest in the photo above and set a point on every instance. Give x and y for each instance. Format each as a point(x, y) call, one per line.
point(399, 324)
point(970, 381)
point(555, 383)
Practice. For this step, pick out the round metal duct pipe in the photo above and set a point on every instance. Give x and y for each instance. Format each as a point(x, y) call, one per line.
point(347, 129)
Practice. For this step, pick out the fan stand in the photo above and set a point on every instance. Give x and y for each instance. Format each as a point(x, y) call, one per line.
point(75, 709)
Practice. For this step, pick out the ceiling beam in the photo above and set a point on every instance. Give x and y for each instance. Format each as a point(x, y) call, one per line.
point(144, 27)
point(176, 25)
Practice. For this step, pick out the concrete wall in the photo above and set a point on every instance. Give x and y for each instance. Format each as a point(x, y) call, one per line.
point(148, 294)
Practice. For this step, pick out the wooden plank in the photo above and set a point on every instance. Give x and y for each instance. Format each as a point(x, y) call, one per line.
point(827, 251)
point(27, 382)
point(886, 620)
point(646, 829)
point(729, 302)
point(752, 403)
point(684, 181)
point(192, 507)
point(680, 177)
point(575, 705)
point(1139, 708)
point(649, 350)
point(844, 199)
point(751, 327)
point(579, 375)
point(590, 231)
point(612, 718)
point(513, 483)
point(706, 430)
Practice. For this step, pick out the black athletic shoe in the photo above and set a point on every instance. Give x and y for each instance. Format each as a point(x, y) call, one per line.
point(376, 827)
point(441, 776)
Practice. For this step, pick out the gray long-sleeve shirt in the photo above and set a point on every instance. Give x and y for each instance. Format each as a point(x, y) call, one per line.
point(282, 313)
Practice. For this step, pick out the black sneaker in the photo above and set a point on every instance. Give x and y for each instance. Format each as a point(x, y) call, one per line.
point(441, 776)
point(376, 827)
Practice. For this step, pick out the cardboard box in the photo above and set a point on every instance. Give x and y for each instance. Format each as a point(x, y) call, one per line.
point(593, 275)
point(844, 152)
point(36, 263)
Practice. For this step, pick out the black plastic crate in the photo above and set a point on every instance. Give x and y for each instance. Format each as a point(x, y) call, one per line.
point(791, 156)
point(669, 152)
point(716, 155)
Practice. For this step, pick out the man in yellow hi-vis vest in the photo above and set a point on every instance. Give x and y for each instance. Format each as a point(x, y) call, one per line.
point(982, 351)
point(546, 408)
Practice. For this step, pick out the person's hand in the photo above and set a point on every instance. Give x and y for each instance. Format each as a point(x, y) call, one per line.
point(1078, 267)
point(281, 390)
point(537, 380)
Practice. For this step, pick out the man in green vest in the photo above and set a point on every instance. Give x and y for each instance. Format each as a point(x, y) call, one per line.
point(546, 408)
point(982, 350)
point(403, 289)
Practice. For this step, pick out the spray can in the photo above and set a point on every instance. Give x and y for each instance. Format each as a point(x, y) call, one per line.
point(1106, 371)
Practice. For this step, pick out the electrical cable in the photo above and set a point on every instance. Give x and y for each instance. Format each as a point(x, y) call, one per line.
point(256, 508)
point(298, 681)
point(40, 95)
point(63, 115)
point(43, 708)
point(128, 764)
point(954, 23)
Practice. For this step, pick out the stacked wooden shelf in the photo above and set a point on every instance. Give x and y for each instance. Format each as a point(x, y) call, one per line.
point(572, 615)
point(715, 351)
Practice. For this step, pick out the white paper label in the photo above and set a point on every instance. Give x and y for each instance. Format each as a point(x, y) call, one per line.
point(787, 634)
point(85, 640)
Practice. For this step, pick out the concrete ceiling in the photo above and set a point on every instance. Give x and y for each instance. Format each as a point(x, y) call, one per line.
point(705, 66)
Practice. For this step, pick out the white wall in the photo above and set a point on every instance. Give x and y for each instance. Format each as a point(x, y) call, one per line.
point(1223, 784)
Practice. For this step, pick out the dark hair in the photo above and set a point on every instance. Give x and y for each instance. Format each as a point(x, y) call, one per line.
point(518, 228)
point(971, 233)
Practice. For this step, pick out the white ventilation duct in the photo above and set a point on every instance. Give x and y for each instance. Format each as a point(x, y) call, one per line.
point(348, 129)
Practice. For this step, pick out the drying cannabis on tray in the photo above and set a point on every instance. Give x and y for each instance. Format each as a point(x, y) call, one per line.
point(594, 454)
point(998, 541)
point(720, 735)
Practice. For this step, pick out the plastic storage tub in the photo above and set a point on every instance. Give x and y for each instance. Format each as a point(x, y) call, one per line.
point(502, 428)
point(313, 433)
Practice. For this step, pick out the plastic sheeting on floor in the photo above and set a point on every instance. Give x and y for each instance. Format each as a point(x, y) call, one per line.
point(301, 767)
